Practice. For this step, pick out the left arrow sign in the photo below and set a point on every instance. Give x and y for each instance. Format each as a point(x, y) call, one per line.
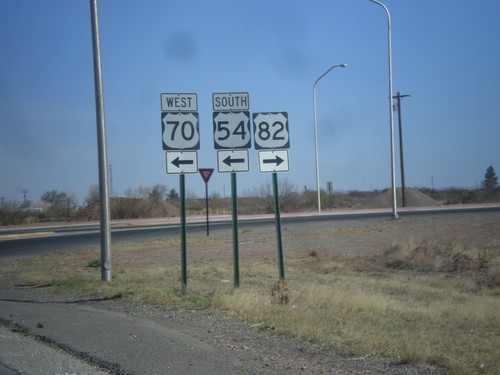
point(229, 161)
point(178, 162)
point(232, 161)
point(182, 162)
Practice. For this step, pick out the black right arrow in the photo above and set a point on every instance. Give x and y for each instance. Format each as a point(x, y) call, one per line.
point(276, 161)
point(177, 162)
point(229, 161)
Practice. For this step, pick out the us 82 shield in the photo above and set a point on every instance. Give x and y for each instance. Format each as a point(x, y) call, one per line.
point(271, 130)
point(232, 130)
point(180, 131)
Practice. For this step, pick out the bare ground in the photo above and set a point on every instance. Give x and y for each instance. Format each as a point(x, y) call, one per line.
point(263, 351)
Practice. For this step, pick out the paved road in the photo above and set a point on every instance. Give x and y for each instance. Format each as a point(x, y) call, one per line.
point(24, 355)
point(44, 239)
point(82, 338)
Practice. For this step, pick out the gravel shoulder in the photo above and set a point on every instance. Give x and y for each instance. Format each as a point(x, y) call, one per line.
point(43, 331)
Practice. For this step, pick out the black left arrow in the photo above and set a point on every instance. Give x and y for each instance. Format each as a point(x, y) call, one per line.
point(178, 162)
point(276, 161)
point(229, 161)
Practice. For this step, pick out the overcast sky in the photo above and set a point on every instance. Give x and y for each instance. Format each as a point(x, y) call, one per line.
point(446, 55)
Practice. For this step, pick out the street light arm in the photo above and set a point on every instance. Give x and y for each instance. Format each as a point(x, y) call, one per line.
point(316, 132)
point(385, 8)
point(328, 71)
point(393, 175)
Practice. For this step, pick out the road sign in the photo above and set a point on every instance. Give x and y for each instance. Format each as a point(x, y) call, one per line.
point(273, 161)
point(232, 130)
point(179, 162)
point(230, 102)
point(232, 161)
point(179, 102)
point(180, 130)
point(271, 130)
point(206, 173)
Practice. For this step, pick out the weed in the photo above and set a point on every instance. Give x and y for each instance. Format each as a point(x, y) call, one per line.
point(280, 292)
point(96, 263)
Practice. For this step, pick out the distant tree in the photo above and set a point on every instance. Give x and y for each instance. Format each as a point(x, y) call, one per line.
point(172, 195)
point(59, 204)
point(490, 181)
point(143, 192)
point(93, 195)
point(157, 192)
point(140, 192)
point(54, 198)
point(11, 212)
point(264, 197)
point(215, 195)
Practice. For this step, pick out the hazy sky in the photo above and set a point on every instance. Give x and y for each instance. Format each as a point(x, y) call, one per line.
point(446, 55)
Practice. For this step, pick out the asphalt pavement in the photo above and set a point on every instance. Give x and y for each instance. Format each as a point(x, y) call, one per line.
point(75, 337)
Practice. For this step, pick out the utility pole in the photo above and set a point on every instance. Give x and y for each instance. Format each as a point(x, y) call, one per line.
point(24, 191)
point(397, 107)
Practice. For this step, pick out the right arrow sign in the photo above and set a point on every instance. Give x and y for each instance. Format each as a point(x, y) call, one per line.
point(277, 161)
point(273, 161)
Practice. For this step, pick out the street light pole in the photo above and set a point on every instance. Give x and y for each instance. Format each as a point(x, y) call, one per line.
point(316, 132)
point(391, 117)
point(397, 107)
point(101, 149)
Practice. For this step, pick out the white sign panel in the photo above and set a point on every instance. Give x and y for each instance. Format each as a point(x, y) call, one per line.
point(273, 161)
point(180, 131)
point(232, 130)
point(271, 130)
point(179, 102)
point(182, 162)
point(230, 102)
point(232, 161)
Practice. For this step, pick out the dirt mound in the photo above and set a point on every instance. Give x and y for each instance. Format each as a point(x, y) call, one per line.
point(413, 198)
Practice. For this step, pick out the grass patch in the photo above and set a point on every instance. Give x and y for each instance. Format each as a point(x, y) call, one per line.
point(417, 301)
point(94, 263)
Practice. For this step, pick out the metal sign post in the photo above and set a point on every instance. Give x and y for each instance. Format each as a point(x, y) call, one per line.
point(232, 138)
point(206, 173)
point(180, 136)
point(182, 193)
point(236, 253)
point(279, 242)
point(270, 134)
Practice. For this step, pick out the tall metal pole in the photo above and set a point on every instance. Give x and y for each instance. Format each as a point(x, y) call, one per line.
point(182, 189)
point(101, 149)
point(391, 117)
point(316, 133)
point(206, 208)
point(397, 107)
point(236, 254)
point(279, 240)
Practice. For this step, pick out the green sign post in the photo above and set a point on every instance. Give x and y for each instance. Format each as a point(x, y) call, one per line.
point(232, 138)
point(180, 136)
point(272, 141)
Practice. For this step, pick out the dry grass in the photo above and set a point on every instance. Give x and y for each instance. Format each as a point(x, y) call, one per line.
point(412, 298)
point(415, 318)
